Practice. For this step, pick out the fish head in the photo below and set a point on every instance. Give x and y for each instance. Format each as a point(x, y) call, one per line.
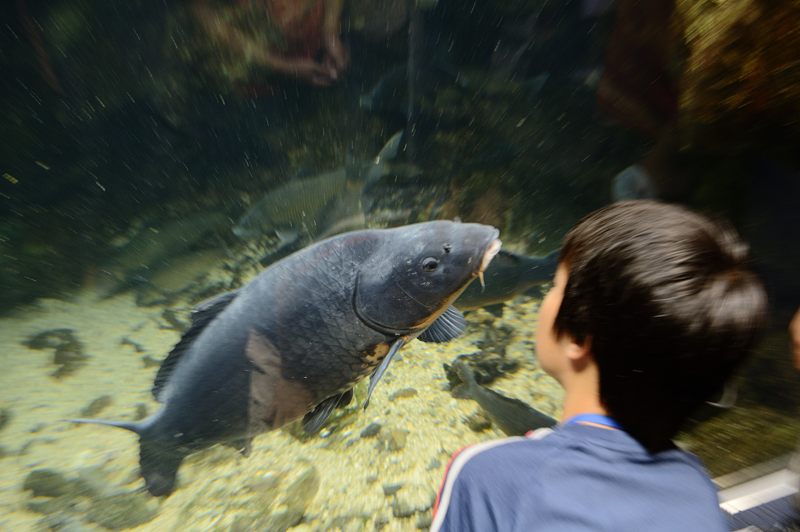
point(418, 271)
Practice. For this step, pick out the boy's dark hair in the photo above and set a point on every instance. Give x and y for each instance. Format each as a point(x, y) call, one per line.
point(668, 305)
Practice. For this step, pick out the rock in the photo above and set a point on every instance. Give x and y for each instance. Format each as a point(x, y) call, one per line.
point(413, 499)
point(302, 490)
point(424, 520)
point(135, 345)
point(96, 406)
point(347, 523)
point(392, 440)
point(122, 510)
point(405, 392)
point(278, 522)
point(51, 483)
point(173, 321)
point(49, 339)
point(5, 417)
point(61, 522)
point(371, 430)
point(68, 355)
point(283, 520)
point(391, 489)
point(140, 412)
point(433, 464)
point(381, 521)
point(52, 505)
point(290, 508)
point(150, 362)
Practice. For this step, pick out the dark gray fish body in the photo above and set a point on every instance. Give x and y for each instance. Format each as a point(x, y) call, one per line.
point(512, 416)
point(508, 276)
point(295, 341)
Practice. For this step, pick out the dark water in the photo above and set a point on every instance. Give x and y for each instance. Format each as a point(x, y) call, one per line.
point(137, 135)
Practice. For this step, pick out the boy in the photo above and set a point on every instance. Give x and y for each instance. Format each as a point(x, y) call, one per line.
point(652, 308)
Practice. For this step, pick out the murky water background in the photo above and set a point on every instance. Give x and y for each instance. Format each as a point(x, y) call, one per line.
point(137, 136)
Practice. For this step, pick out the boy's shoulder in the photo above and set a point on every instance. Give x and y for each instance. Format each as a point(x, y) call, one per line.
point(542, 473)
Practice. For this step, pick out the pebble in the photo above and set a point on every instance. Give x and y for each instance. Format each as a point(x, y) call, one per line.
point(391, 489)
point(415, 499)
point(140, 412)
point(402, 393)
point(392, 440)
point(96, 406)
point(5, 417)
point(51, 483)
point(433, 464)
point(371, 430)
point(150, 362)
point(122, 510)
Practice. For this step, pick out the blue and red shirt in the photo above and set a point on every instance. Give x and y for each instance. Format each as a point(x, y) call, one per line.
point(576, 477)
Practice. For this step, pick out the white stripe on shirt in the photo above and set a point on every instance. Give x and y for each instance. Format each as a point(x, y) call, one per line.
point(455, 469)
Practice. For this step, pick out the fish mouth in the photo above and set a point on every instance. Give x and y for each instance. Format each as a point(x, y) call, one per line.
point(491, 251)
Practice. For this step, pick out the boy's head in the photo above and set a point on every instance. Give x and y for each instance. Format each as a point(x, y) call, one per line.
point(664, 304)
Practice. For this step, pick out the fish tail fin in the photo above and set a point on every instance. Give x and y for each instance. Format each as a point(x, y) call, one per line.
point(391, 149)
point(133, 427)
point(468, 383)
point(159, 465)
point(158, 462)
point(541, 269)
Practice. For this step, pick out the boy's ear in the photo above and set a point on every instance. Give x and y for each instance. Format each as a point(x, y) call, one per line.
point(577, 352)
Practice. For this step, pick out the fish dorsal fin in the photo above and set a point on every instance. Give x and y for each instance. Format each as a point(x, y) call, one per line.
point(449, 325)
point(201, 316)
point(313, 421)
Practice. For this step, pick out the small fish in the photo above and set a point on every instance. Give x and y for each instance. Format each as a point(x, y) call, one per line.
point(308, 208)
point(150, 250)
point(487, 85)
point(389, 94)
point(508, 276)
point(512, 416)
point(293, 342)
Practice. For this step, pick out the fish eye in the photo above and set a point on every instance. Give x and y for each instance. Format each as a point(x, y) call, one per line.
point(430, 264)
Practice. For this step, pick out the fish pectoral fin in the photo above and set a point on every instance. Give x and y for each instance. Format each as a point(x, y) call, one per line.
point(201, 316)
point(314, 420)
point(376, 376)
point(451, 324)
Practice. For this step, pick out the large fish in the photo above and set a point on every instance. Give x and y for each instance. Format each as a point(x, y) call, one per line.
point(294, 341)
point(508, 276)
